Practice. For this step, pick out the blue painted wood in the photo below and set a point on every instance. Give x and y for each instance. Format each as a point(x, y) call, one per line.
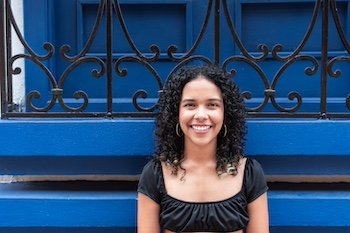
point(135, 137)
point(121, 230)
point(309, 230)
point(298, 138)
point(76, 137)
point(41, 207)
point(72, 165)
point(67, 230)
point(310, 208)
point(122, 146)
point(305, 165)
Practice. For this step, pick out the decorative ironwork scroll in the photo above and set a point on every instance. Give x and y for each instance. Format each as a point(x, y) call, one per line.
point(218, 21)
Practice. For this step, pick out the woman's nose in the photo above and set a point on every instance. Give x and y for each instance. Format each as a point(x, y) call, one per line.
point(201, 114)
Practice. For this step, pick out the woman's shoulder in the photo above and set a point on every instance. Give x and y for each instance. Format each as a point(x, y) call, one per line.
point(149, 183)
point(151, 167)
point(254, 179)
point(253, 168)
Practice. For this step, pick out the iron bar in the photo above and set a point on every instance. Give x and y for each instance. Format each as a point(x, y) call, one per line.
point(217, 32)
point(3, 56)
point(109, 60)
point(9, 83)
point(324, 59)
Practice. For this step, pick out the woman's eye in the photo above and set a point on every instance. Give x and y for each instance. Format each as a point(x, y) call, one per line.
point(189, 105)
point(213, 105)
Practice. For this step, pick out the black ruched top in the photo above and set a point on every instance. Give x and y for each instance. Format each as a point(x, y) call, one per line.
point(218, 216)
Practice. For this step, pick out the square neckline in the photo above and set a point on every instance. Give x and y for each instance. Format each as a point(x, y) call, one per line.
point(240, 192)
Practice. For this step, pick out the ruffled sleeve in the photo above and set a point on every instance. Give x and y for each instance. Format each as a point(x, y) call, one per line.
point(254, 180)
point(148, 183)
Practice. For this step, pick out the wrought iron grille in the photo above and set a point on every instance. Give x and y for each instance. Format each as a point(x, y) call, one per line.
point(218, 13)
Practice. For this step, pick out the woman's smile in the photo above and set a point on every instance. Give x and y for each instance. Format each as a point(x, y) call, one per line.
point(201, 128)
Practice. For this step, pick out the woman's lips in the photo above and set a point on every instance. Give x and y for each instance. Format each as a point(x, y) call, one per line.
point(201, 128)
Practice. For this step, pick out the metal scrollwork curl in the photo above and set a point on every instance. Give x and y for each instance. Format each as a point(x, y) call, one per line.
point(245, 94)
point(78, 94)
point(336, 73)
point(143, 94)
point(140, 93)
point(35, 94)
point(16, 70)
point(293, 95)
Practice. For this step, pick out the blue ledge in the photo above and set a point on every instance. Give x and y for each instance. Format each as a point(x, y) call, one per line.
point(121, 146)
point(71, 230)
point(48, 208)
point(298, 138)
point(43, 205)
point(310, 208)
point(135, 137)
point(76, 137)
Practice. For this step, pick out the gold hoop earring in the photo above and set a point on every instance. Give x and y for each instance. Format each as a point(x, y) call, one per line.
point(177, 130)
point(225, 130)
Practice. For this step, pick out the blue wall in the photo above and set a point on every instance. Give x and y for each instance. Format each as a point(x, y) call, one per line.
point(117, 149)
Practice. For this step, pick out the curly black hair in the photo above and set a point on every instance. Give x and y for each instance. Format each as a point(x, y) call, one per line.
point(230, 145)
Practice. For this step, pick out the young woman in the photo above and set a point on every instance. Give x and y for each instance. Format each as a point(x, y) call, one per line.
point(199, 180)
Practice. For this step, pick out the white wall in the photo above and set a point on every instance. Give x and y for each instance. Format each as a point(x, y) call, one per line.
point(18, 80)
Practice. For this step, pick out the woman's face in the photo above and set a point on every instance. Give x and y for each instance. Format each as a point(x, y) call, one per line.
point(201, 112)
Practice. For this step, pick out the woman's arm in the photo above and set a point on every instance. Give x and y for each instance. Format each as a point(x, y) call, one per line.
point(147, 215)
point(258, 215)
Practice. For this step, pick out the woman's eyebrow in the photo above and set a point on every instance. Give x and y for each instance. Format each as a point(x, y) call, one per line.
point(210, 100)
point(215, 99)
point(188, 100)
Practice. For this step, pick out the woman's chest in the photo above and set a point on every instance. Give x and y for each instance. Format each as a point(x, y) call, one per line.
point(203, 188)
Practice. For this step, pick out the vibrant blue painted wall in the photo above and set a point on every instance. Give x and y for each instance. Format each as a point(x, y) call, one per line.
point(121, 147)
point(284, 140)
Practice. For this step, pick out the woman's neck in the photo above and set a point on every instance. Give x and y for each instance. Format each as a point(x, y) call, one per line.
point(200, 154)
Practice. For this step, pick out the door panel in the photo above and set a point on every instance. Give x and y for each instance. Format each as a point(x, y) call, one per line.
point(144, 35)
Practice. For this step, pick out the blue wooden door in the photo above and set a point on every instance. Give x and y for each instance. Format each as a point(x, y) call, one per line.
point(284, 72)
